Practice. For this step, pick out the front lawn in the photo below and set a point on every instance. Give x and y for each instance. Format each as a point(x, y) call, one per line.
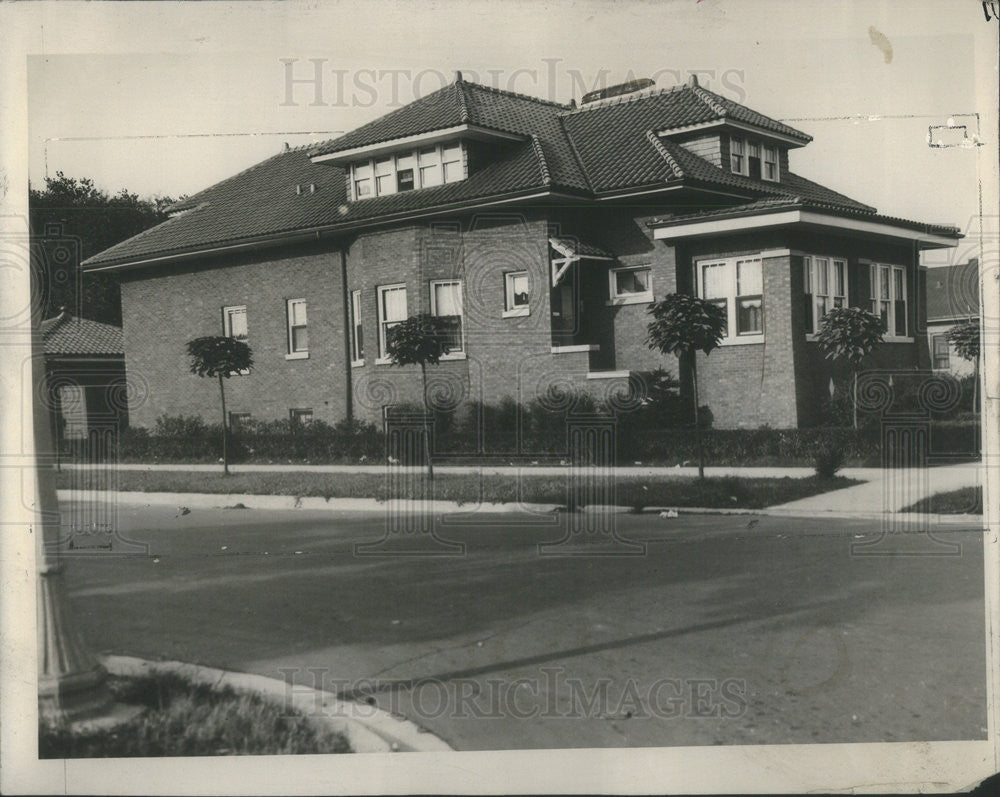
point(636, 492)
point(186, 719)
point(965, 501)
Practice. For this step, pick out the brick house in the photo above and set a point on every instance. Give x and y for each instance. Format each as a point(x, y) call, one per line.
point(952, 297)
point(543, 231)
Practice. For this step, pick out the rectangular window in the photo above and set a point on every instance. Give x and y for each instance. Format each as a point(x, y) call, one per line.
point(889, 299)
point(825, 283)
point(749, 298)
point(771, 163)
point(451, 157)
point(631, 285)
point(391, 310)
point(238, 420)
point(753, 161)
point(298, 329)
point(517, 291)
point(234, 322)
point(430, 167)
point(940, 352)
point(300, 416)
point(385, 176)
point(446, 304)
point(736, 285)
point(362, 180)
point(715, 287)
point(736, 156)
point(357, 333)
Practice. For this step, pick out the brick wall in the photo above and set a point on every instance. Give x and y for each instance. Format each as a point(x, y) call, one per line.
point(162, 310)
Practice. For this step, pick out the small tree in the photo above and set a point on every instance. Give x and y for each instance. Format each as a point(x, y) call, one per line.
point(683, 325)
point(965, 338)
point(419, 340)
point(849, 333)
point(218, 356)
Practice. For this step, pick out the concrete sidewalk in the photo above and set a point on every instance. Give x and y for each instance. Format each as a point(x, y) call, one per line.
point(767, 472)
point(888, 490)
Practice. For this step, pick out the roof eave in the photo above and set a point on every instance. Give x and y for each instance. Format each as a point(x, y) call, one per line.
point(794, 215)
point(466, 130)
point(285, 237)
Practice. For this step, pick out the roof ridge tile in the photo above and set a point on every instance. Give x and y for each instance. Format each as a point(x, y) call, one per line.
point(542, 164)
point(675, 167)
point(707, 98)
point(515, 94)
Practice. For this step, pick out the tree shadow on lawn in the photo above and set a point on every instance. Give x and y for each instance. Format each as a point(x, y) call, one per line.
point(242, 608)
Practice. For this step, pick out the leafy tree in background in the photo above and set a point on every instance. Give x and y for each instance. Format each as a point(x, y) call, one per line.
point(850, 333)
point(683, 325)
point(74, 209)
point(965, 338)
point(419, 340)
point(221, 357)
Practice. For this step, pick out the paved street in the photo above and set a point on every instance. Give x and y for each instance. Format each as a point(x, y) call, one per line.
point(724, 630)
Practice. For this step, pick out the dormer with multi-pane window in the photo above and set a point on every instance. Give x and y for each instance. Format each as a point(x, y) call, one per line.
point(408, 170)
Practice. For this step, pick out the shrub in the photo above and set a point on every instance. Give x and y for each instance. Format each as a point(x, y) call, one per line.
point(829, 459)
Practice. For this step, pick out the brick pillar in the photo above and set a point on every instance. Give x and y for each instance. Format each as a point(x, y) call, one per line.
point(777, 394)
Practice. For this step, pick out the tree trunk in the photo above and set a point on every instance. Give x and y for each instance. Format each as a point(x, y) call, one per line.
point(854, 397)
point(225, 431)
point(697, 421)
point(427, 434)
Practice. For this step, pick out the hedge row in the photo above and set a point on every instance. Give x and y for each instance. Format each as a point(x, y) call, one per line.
point(525, 435)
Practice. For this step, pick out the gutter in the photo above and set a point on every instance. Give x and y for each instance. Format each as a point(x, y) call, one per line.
point(315, 233)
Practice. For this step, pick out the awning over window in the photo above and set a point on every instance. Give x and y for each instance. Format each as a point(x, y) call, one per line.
point(569, 250)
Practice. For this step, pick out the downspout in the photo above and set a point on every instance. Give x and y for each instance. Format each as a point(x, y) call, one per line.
point(349, 397)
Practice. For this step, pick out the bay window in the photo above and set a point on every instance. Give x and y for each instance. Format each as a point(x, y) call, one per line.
point(737, 286)
point(825, 281)
point(889, 299)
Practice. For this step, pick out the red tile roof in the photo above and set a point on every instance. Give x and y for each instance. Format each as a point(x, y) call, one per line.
point(601, 149)
point(67, 335)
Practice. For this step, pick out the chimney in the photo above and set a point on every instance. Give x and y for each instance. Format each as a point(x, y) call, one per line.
point(287, 147)
point(458, 77)
point(693, 80)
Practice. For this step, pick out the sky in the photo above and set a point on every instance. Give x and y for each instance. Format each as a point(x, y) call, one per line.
point(165, 105)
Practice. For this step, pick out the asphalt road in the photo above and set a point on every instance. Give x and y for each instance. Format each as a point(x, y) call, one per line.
point(710, 630)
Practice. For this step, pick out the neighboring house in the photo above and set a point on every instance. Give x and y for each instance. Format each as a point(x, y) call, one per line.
point(542, 231)
point(85, 376)
point(952, 296)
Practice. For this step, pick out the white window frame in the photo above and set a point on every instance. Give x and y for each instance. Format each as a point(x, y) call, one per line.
point(732, 337)
point(290, 353)
point(629, 298)
point(739, 147)
point(509, 308)
point(811, 282)
point(935, 337)
point(444, 153)
point(357, 343)
point(771, 158)
point(380, 291)
point(874, 275)
point(227, 325)
point(452, 355)
point(292, 415)
point(244, 417)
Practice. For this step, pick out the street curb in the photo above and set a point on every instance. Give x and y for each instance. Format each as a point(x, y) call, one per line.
point(368, 729)
point(249, 501)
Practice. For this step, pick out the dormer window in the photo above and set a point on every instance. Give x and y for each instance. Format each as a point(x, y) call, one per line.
point(425, 167)
point(753, 158)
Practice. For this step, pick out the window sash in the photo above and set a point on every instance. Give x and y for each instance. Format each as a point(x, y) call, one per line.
point(825, 282)
point(298, 330)
point(889, 298)
point(357, 333)
point(391, 310)
point(770, 163)
point(419, 168)
point(517, 292)
point(941, 352)
point(446, 303)
point(235, 322)
point(736, 285)
point(631, 281)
